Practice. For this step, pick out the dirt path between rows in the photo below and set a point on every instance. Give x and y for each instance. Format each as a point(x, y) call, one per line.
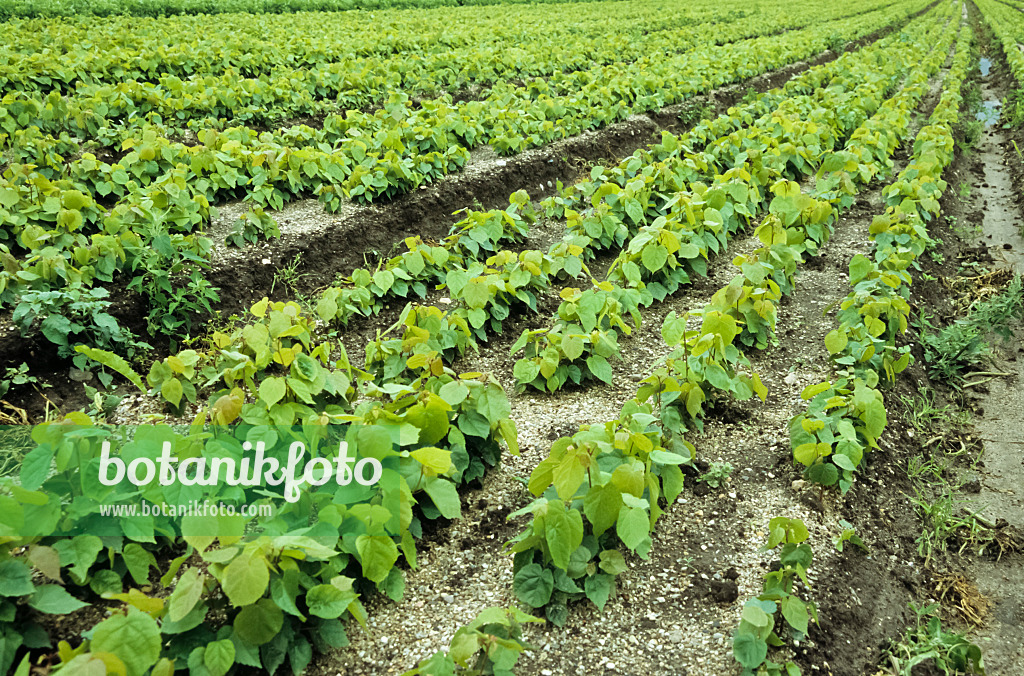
point(998, 493)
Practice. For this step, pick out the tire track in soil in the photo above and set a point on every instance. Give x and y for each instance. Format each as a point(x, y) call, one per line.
point(673, 614)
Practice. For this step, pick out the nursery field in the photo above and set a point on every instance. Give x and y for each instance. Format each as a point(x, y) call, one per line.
point(623, 337)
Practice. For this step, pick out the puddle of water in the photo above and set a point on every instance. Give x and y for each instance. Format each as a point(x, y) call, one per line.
point(989, 113)
point(985, 65)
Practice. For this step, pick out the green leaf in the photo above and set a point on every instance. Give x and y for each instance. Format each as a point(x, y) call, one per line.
point(378, 554)
point(454, 393)
point(533, 585)
point(665, 458)
point(843, 461)
point(634, 210)
point(672, 329)
point(79, 553)
point(526, 370)
point(106, 581)
point(633, 526)
point(245, 579)
point(874, 418)
point(272, 390)
point(654, 257)
point(811, 391)
point(563, 531)
point(749, 650)
point(824, 473)
point(600, 367)
point(333, 633)
point(602, 505)
point(15, 579)
point(284, 589)
point(139, 560)
point(572, 347)
point(756, 616)
point(860, 267)
point(717, 377)
point(445, 497)
point(259, 623)
point(612, 562)
point(493, 403)
point(219, 657)
point(414, 262)
point(172, 391)
point(795, 612)
point(186, 594)
point(9, 197)
point(598, 588)
point(134, 638)
point(477, 292)
point(384, 279)
point(835, 341)
point(114, 362)
point(36, 466)
point(54, 600)
point(568, 475)
point(328, 601)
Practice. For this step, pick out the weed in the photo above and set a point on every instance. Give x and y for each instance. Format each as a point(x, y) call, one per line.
point(972, 127)
point(968, 268)
point(172, 278)
point(924, 416)
point(251, 227)
point(849, 534)
point(837, 43)
point(1013, 108)
point(942, 519)
point(965, 190)
point(960, 347)
point(288, 276)
point(926, 471)
point(997, 312)
point(19, 375)
point(101, 404)
point(73, 316)
point(972, 134)
point(15, 442)
point(717, 474)
point(939, 524)
point(953, 351)
point(948, 652)
point(964, 230)
point(933, 250)
point(691, 115)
